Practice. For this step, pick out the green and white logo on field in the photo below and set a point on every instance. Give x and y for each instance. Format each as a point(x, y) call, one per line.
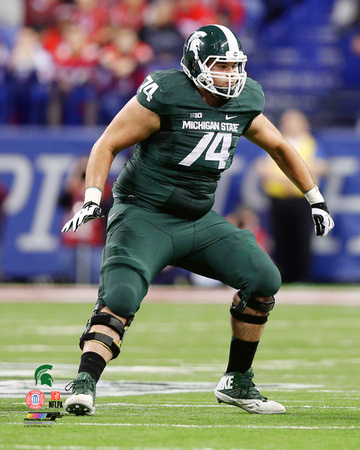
point(42, 376)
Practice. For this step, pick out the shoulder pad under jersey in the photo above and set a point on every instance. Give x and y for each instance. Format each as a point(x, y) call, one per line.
point(163, 88)
point(252, 97)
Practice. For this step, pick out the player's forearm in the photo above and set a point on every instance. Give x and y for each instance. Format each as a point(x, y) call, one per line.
point(97, 171)
point(294, 167)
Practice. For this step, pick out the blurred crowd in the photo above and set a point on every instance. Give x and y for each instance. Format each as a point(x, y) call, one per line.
point(77, 62)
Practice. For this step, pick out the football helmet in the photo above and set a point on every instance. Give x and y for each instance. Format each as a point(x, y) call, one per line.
point(207, 46)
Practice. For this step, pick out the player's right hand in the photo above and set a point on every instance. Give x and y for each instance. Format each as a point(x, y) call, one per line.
point(89, 211)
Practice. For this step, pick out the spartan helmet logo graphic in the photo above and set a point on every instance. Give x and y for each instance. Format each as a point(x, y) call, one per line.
point(194, 43)
point(42, 376)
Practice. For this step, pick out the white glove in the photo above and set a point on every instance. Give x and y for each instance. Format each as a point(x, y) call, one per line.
point(89, 211)
point(323, 222)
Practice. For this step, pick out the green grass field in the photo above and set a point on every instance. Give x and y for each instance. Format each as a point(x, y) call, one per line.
point(158, 393)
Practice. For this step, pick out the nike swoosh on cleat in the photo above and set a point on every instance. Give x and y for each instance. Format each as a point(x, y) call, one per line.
point(229, 117)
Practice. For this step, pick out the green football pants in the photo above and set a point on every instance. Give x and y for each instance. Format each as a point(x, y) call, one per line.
point(141, 242)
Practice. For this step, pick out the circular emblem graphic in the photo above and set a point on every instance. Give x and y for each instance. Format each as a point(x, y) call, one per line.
point(35, 399)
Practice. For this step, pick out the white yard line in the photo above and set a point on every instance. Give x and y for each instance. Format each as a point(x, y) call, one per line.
point(167, 405)
point(57, 447)
point(76, 447)
point(230, 426)
point(175, 425)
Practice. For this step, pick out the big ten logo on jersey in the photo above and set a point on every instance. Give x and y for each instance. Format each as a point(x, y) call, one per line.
point(148, 87)
point(196, 115)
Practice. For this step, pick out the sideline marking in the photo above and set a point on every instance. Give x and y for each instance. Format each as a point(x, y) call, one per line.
point(288, 295)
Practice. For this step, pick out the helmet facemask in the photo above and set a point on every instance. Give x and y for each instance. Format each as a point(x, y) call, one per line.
point(235, 80)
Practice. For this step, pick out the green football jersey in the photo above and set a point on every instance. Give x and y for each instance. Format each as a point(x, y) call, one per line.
point(177, 169)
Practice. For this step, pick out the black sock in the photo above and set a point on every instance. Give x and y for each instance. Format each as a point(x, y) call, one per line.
point(241, 355)
point(93, 364)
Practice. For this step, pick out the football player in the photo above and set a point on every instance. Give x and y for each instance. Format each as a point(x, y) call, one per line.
point(186, 126)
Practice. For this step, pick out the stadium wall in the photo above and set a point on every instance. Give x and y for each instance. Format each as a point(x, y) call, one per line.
point(35, 162)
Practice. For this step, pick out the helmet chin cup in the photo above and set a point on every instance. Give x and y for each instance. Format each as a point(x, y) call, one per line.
point(230, 89)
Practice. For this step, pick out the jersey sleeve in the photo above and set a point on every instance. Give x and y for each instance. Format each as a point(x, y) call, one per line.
point(151, 93)
point(252, 101)
point(255, 96)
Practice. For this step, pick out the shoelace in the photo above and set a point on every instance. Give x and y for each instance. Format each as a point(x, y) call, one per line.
point(84, 384)
point(251, 388)
point(254, 391)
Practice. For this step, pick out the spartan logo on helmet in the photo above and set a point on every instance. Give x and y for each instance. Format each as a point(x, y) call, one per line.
point(42, 375)
point(194, 43)
point(207, 46)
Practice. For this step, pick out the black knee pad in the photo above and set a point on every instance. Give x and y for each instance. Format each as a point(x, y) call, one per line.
point(248, 318)
point(103, 318)
point(263, 306)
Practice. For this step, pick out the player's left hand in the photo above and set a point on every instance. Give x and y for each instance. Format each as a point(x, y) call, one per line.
point(323, 222)
point(89, 211)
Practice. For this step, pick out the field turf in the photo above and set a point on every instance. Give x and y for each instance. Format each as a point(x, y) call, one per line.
point(159, 393)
